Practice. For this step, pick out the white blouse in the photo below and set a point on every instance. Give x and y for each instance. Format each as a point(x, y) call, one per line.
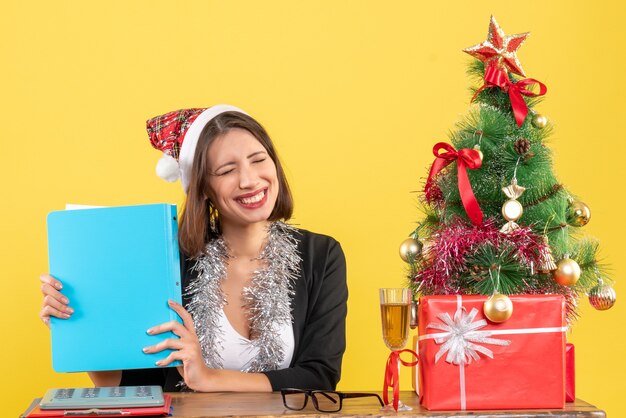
point(239, 351)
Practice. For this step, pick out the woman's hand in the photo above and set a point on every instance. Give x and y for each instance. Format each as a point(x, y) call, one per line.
point(196, 374)
point(54, 303)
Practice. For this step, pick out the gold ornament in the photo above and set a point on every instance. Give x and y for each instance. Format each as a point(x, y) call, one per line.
point(567, 271)
point(512, 210)
point(410, 249)
point(547, 263)
point(480, 153)
point(427, 251)
point(498, 308)
point(602, 296)
point(578, 214)
point(539, 121)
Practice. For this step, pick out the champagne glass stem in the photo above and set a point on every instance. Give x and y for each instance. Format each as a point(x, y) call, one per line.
point(395, 306)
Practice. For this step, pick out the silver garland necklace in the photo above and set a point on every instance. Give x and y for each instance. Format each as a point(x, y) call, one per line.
point(267, 300)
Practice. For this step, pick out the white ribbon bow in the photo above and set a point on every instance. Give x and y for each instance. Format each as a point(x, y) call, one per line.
point(461, 338)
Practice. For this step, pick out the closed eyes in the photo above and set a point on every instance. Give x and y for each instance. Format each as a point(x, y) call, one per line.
point(224, 171)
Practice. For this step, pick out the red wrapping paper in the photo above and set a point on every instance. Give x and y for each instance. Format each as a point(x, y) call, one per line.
point(570, 374)
point(528, 373)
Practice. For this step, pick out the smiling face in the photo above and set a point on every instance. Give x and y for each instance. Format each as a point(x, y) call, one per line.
point(243, 183)
point(236, 172)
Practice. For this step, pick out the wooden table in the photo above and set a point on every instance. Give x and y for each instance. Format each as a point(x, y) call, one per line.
point(197, 405)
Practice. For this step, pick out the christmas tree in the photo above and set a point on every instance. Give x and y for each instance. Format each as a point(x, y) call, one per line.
point(497, 220)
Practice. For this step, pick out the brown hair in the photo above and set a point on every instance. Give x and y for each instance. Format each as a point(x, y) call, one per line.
point(199, 222)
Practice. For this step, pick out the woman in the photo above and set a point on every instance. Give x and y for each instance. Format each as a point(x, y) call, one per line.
point(265, 303)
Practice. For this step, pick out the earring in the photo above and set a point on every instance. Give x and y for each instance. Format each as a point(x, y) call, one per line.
point(213, 219)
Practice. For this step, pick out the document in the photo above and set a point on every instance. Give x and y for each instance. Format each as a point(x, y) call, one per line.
point(119, 266)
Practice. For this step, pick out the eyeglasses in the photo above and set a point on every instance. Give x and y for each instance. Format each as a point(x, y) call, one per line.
point(323, 400)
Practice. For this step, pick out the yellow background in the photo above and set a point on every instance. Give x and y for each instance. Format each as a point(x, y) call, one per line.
point(354, 93)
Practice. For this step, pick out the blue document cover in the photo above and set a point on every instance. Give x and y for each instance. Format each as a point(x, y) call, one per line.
point(118, 266)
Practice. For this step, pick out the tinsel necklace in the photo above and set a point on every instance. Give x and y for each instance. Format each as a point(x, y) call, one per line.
point(267, 299)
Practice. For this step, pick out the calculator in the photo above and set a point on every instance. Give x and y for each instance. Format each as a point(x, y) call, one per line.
point(105, 397)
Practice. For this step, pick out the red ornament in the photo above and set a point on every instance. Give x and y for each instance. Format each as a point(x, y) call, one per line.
point(500, 49)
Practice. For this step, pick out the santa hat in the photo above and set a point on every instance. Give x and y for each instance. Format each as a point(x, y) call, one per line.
point(176, 134)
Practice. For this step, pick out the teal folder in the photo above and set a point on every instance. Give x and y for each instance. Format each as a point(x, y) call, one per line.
point(118, 266)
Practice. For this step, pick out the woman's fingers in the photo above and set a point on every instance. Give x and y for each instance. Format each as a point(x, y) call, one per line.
point(176, 327)
point(174, 355)
point(48, 279)
point(52, 302)
point(182, 330)
point(170, 343)
point(48, 311)
point(187, 348)
point(50, 289)
point(185, 316)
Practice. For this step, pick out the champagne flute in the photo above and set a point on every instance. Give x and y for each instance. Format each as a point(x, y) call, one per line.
point(395, 311)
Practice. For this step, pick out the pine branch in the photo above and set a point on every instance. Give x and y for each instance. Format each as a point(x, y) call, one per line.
point(492, 269)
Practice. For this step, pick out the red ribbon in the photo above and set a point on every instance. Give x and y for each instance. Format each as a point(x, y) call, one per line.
point(465, 158)
point(392, 375)
point(497, 77)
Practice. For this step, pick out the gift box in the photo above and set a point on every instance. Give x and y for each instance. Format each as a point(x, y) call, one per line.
point(468, 362)
point(570, 374)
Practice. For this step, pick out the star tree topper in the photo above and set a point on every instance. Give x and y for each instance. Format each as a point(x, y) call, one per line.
point(500, 49)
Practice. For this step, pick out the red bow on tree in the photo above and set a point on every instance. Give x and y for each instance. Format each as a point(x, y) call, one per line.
point(497, 77)
point(465, 158)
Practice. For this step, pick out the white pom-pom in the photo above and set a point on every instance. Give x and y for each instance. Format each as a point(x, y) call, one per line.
point(168, 169)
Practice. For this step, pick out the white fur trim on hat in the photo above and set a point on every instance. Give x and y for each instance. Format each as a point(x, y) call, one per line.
point(190, 141)
point(167, 168)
